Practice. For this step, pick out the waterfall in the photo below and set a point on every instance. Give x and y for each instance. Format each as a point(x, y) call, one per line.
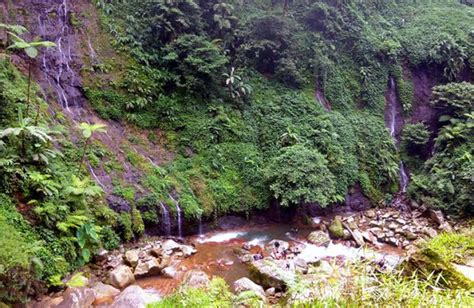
point(392, 100)
point(95, 177)
point(178, 216)
point(57, 63)
point(404, 179)
point(200, 234)
point(392, 113)
point(166, 219)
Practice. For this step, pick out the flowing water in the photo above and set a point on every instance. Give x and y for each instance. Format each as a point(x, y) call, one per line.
point(394, 122)
point(166, 222)
point(216, 253)
point(57, 63)
point(179, 217)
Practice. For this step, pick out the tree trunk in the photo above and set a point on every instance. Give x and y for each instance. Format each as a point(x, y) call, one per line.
point(285, 7)
point(83, 153)
point(29, 88)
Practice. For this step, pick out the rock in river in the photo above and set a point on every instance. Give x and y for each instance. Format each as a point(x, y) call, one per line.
point(148, 268)
point(77, 298)
point(135, 297)
point(196, 279)
point(104, 293)
point(121, 277)
point(272, 273)
point(245, 284)
point(318, 238)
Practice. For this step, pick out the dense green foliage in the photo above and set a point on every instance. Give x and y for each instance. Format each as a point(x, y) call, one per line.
point(447, 180)
point(258, 101)
point(233, 150)
point(51, 219)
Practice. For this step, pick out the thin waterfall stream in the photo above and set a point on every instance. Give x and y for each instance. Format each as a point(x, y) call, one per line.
point(178, 216)
point(165, 216)
point(393, 118)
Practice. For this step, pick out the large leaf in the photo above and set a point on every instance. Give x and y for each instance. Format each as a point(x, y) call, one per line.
point(31, 51)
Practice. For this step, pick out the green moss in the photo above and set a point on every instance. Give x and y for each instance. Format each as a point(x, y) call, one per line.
point(336, 230)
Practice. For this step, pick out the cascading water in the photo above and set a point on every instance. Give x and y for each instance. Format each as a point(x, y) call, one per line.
point(200, 233)
point(57, 63)
point(165, 216)
point(394, 123)
point(178, 216)
point(393, 102)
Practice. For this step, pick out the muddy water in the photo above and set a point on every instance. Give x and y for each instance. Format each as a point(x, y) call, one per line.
point(216, 255)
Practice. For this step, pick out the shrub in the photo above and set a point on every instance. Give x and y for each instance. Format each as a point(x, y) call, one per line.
point(300, 174)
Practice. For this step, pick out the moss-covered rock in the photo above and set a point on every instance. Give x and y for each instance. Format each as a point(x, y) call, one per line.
point(336, 229)
point(430, 263)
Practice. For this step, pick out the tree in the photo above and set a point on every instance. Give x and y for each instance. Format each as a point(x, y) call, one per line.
point(31, 50)
point(87, 131)
point(300, 174)
point(451, 55)
point(236, 87)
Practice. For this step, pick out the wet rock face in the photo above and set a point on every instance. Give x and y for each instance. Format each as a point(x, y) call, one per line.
point(58, 67)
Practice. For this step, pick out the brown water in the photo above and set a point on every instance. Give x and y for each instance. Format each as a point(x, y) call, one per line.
point(215, 253)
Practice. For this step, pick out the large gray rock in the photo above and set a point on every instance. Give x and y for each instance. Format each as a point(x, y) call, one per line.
point(135, 297)
point(131, 257)
point(319, 238)
point(121, 277)
point(196, 279)
point(282, 246)
point(104, 293)
point(272, 273)
point(245, 284)
point(77, 298)
point(148, 268)
point(170, 246)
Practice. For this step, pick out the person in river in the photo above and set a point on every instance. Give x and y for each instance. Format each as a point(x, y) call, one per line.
point(275, 252)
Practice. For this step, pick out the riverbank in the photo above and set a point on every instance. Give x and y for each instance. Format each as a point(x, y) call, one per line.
point(156, 267)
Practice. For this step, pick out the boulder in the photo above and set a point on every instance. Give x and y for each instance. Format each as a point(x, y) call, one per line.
point(104, 293)
point(169, 272)
point(77, 298)
point(148, 268)
point(319, 238)
point(282, 246)
point(270, 291)
point(170, 246)
point(370, 214)
point(196, 279)
point(245, 284)
point(336, 230)
point(187, 250)
point(121, 277)
point(131, 257)
point(272, 273)
point(436, 216)
point(135, 297)
point(425, 261)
